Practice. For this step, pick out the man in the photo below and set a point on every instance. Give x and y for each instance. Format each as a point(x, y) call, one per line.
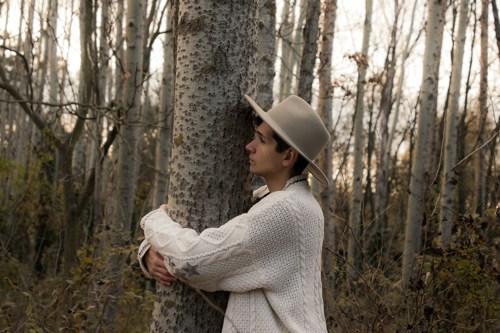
point(270, 257)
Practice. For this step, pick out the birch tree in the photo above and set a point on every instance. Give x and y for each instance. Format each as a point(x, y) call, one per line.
point(120, 231)
point(266, 53)
point(383, 158)
point(309, 49)
point(356, 213)
point(209, 180)
point(448, 191)
point(479, 198)
point(325, 111)
point(418, 184)
point(165, 116)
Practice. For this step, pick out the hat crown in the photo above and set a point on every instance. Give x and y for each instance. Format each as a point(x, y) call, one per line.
point(295, 121)
point(300, 126)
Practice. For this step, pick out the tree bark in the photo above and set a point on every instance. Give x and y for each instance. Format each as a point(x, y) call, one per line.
point(479, 198)
point(419, 172)
point(209, 180)
point(266, 53)
point(309, 50)
point(165, 117)
point(448, 189)
point(356, 213)
point(119, 234)
point(327, 193)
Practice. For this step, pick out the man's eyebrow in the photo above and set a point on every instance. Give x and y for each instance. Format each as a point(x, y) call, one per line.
point(260, 134)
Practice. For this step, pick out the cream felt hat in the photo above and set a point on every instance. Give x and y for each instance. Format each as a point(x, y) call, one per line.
point(295, 121)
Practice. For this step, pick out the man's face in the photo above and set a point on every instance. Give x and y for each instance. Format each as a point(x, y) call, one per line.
point(265, 161)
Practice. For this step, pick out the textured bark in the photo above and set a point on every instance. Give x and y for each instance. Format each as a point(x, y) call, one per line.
point(123, 201)
point(165, 117)
point(285, 31)
point(327, 193)
point(266, 53)
point(479, 198)
point(356, 213)
point(448, 191)
point(419, 173)
point(209, 180)
point(310, 47)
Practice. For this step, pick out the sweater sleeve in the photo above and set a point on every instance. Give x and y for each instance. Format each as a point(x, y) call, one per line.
point(216, 259)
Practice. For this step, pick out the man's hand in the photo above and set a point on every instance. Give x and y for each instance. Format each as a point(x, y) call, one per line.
point(156, 268)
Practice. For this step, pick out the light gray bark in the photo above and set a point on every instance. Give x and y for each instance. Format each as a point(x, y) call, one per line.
point(418, 181)
point(448, 186)
point(209, 180)
point(165, 117)
point(309, 49)
point(120, 231)
point(266, 53)
point(325, 159)
point(479, 198)
point(356, 212)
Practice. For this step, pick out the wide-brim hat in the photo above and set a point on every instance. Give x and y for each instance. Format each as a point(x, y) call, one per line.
point(295, 121)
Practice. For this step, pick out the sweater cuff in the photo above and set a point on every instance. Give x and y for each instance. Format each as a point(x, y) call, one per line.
point(143, 249)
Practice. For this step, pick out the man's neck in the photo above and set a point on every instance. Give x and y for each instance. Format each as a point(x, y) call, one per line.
point(277, 183)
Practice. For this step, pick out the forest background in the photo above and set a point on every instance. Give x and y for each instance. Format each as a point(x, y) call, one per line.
point(109, 106)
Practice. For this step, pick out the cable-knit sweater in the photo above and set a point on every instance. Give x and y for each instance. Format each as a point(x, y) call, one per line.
point(269, 259)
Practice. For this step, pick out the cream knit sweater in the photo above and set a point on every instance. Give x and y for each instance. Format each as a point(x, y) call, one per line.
point(268, 258)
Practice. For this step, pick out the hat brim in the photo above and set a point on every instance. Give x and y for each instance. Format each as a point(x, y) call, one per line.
point(312, 167)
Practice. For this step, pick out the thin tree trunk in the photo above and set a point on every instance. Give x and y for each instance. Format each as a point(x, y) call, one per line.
point(165, 117)
point(384, 152)
point(309, 50)
point(448, 199)
point(496, 21)
point(120, 232)
point(356, 213)
point(327, 193)
point(479, 199)
point(266, 53)
point(286, 32)
point(419, 173)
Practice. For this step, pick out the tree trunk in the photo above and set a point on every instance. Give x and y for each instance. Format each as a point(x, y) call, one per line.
point(384, 152)
point(310, 39)
point(419, 172)
point(496, 21)
point(327, 193)
point(286, 32)
point(72, 224)
point(165, 117)
point(266, 53)
point(120, 231)
point(209, 180)
point(356, 213)
point(479, 198)
point(448, 191)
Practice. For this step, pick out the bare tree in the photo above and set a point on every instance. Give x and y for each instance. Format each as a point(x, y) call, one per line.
point(309, 50)
point(266, 53)
point(479, 198)
point(119, 234)
point(165, 116)
point(418, 181)
point(356, 213)
point(448, 199)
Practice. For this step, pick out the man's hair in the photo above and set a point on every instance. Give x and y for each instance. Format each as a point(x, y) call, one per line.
point(281, 146)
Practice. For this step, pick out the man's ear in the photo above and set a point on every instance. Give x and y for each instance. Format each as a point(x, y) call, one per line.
point(290, 157)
